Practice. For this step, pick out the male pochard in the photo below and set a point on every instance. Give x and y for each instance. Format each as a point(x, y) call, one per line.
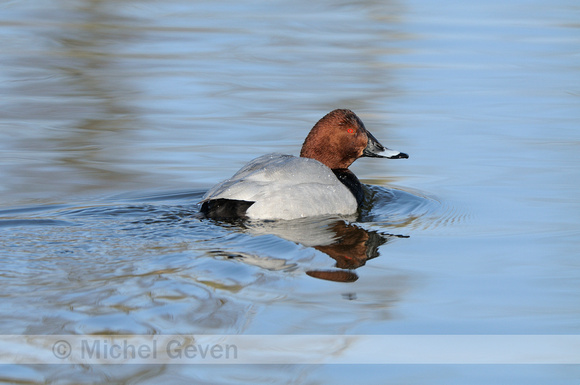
point(277, 186)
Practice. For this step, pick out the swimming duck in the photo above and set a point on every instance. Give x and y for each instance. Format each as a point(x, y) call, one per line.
point(277, 186)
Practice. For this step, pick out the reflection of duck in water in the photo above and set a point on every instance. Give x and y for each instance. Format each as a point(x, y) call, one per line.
point(352, 248)
point(348, 244)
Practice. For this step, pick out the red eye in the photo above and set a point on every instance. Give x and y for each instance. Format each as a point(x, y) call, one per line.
point(350, 130)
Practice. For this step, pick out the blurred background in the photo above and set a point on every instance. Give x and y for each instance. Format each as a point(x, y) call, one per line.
point(116, 116)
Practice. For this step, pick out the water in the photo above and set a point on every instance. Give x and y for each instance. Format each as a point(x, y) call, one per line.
point(117, 116)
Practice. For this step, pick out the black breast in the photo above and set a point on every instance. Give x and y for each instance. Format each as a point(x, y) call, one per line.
point(351, 182)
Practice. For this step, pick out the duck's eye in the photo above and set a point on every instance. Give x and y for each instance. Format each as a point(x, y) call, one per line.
point(350, 130)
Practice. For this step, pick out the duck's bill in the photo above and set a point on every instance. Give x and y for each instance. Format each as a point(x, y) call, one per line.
point(376, 150)
point(388, 153)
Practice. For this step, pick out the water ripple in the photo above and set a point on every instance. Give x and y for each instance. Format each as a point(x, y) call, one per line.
point(407, 209)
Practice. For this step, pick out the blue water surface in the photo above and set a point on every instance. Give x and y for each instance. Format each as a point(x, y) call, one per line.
point(117, 116)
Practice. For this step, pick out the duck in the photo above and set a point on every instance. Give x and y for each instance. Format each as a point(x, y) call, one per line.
point(316, 183)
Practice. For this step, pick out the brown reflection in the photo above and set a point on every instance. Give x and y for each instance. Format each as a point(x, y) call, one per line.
point(74, 95)
point(91, 65)
point(349, 244)
point(333, 275)
point(353, 246)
